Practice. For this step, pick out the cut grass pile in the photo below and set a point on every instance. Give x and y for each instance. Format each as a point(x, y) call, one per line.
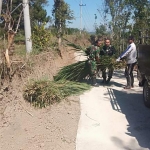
point(80, 70)
point(43, 93)
point(74, 72)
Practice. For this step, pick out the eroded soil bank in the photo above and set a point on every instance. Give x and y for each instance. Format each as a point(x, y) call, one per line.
point(22, 127)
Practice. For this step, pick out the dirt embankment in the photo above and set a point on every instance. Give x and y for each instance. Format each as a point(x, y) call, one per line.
point(23, 127)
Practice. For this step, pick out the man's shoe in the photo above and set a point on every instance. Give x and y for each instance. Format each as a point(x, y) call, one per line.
point(108, 80)
point(127, 87)
point(103, 81)
point(96, 84)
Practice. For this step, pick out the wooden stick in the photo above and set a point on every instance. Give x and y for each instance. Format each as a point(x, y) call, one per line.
point(7, 58)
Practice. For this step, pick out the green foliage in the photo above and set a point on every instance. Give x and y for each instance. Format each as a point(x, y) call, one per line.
point(43, 93)
point(77, 47)
point(120, 13)
point(40, 2)
point(127, 17)
point(71, 31)
point(106, 61)
point(62, 13)
point(37, 12)
point(92, 38)
point(101, 30)
point(74, 72)
point(80, 70)
point(15, 13)
point(141, 16)
point(41, 37)
point(19, 38)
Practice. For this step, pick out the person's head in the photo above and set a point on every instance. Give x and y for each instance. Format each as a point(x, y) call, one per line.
point(92, 39)
point(130, 39)
point(107, 42)
point(99, 42)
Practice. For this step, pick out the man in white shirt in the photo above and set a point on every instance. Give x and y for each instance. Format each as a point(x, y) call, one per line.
point(130, 54)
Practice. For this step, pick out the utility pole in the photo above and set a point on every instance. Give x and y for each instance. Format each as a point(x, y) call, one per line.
point(27, 26)
point(95, 20)
point(81, 15)
point(1, 1)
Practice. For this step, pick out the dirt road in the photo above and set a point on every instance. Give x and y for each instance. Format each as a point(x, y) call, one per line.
point(113, 118)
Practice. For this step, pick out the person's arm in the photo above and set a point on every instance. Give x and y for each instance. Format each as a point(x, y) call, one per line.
point(97, 56)
point(125, 53)
point(102, 51)
point(114, 50)
point(87, 51)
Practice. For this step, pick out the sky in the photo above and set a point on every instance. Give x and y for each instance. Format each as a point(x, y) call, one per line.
point(88, 20)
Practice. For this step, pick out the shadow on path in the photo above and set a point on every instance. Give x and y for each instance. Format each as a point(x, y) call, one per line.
point(137, 115)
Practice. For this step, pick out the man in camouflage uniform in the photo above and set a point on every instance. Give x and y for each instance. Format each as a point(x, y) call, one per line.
point(93, 58)
point(107, 50)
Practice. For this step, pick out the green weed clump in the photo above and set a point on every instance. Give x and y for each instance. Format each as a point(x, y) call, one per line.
point(43, 93)
point(74, 72)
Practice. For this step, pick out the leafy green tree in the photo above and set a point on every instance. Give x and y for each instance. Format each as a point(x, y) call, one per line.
point(128, 15)
point(38, 14)
point(62, 14)
point(141, 13)
point(101, 30)
point(120, 13)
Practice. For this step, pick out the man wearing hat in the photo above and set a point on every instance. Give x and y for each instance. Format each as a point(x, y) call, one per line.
point(130, 55)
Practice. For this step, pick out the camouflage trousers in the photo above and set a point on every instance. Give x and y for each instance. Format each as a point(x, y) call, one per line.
point(92, 68)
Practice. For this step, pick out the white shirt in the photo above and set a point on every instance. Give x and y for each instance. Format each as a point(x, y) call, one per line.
point(130, 53)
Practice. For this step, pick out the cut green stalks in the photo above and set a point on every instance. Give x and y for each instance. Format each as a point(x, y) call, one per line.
point(43, 93)
point(80, 70)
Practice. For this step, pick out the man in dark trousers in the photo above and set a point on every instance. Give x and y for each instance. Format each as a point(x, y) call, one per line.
point(107, 50)
point(130, 54)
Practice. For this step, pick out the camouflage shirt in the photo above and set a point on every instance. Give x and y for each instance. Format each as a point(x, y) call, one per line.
point(93, 52)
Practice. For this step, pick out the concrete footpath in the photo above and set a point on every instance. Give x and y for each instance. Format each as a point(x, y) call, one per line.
point(113, 118)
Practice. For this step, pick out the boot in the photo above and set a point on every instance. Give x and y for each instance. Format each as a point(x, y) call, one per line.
point(108, 80)
point(128, 86)
point(104, 80)
point(132, 81)
point(94, 83)
point(104, 75)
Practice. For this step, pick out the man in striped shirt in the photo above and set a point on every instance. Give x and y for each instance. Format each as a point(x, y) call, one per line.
point(130, 54)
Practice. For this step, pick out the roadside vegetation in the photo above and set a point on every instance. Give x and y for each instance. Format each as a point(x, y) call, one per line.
point(42, 93)
point(50, 34)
